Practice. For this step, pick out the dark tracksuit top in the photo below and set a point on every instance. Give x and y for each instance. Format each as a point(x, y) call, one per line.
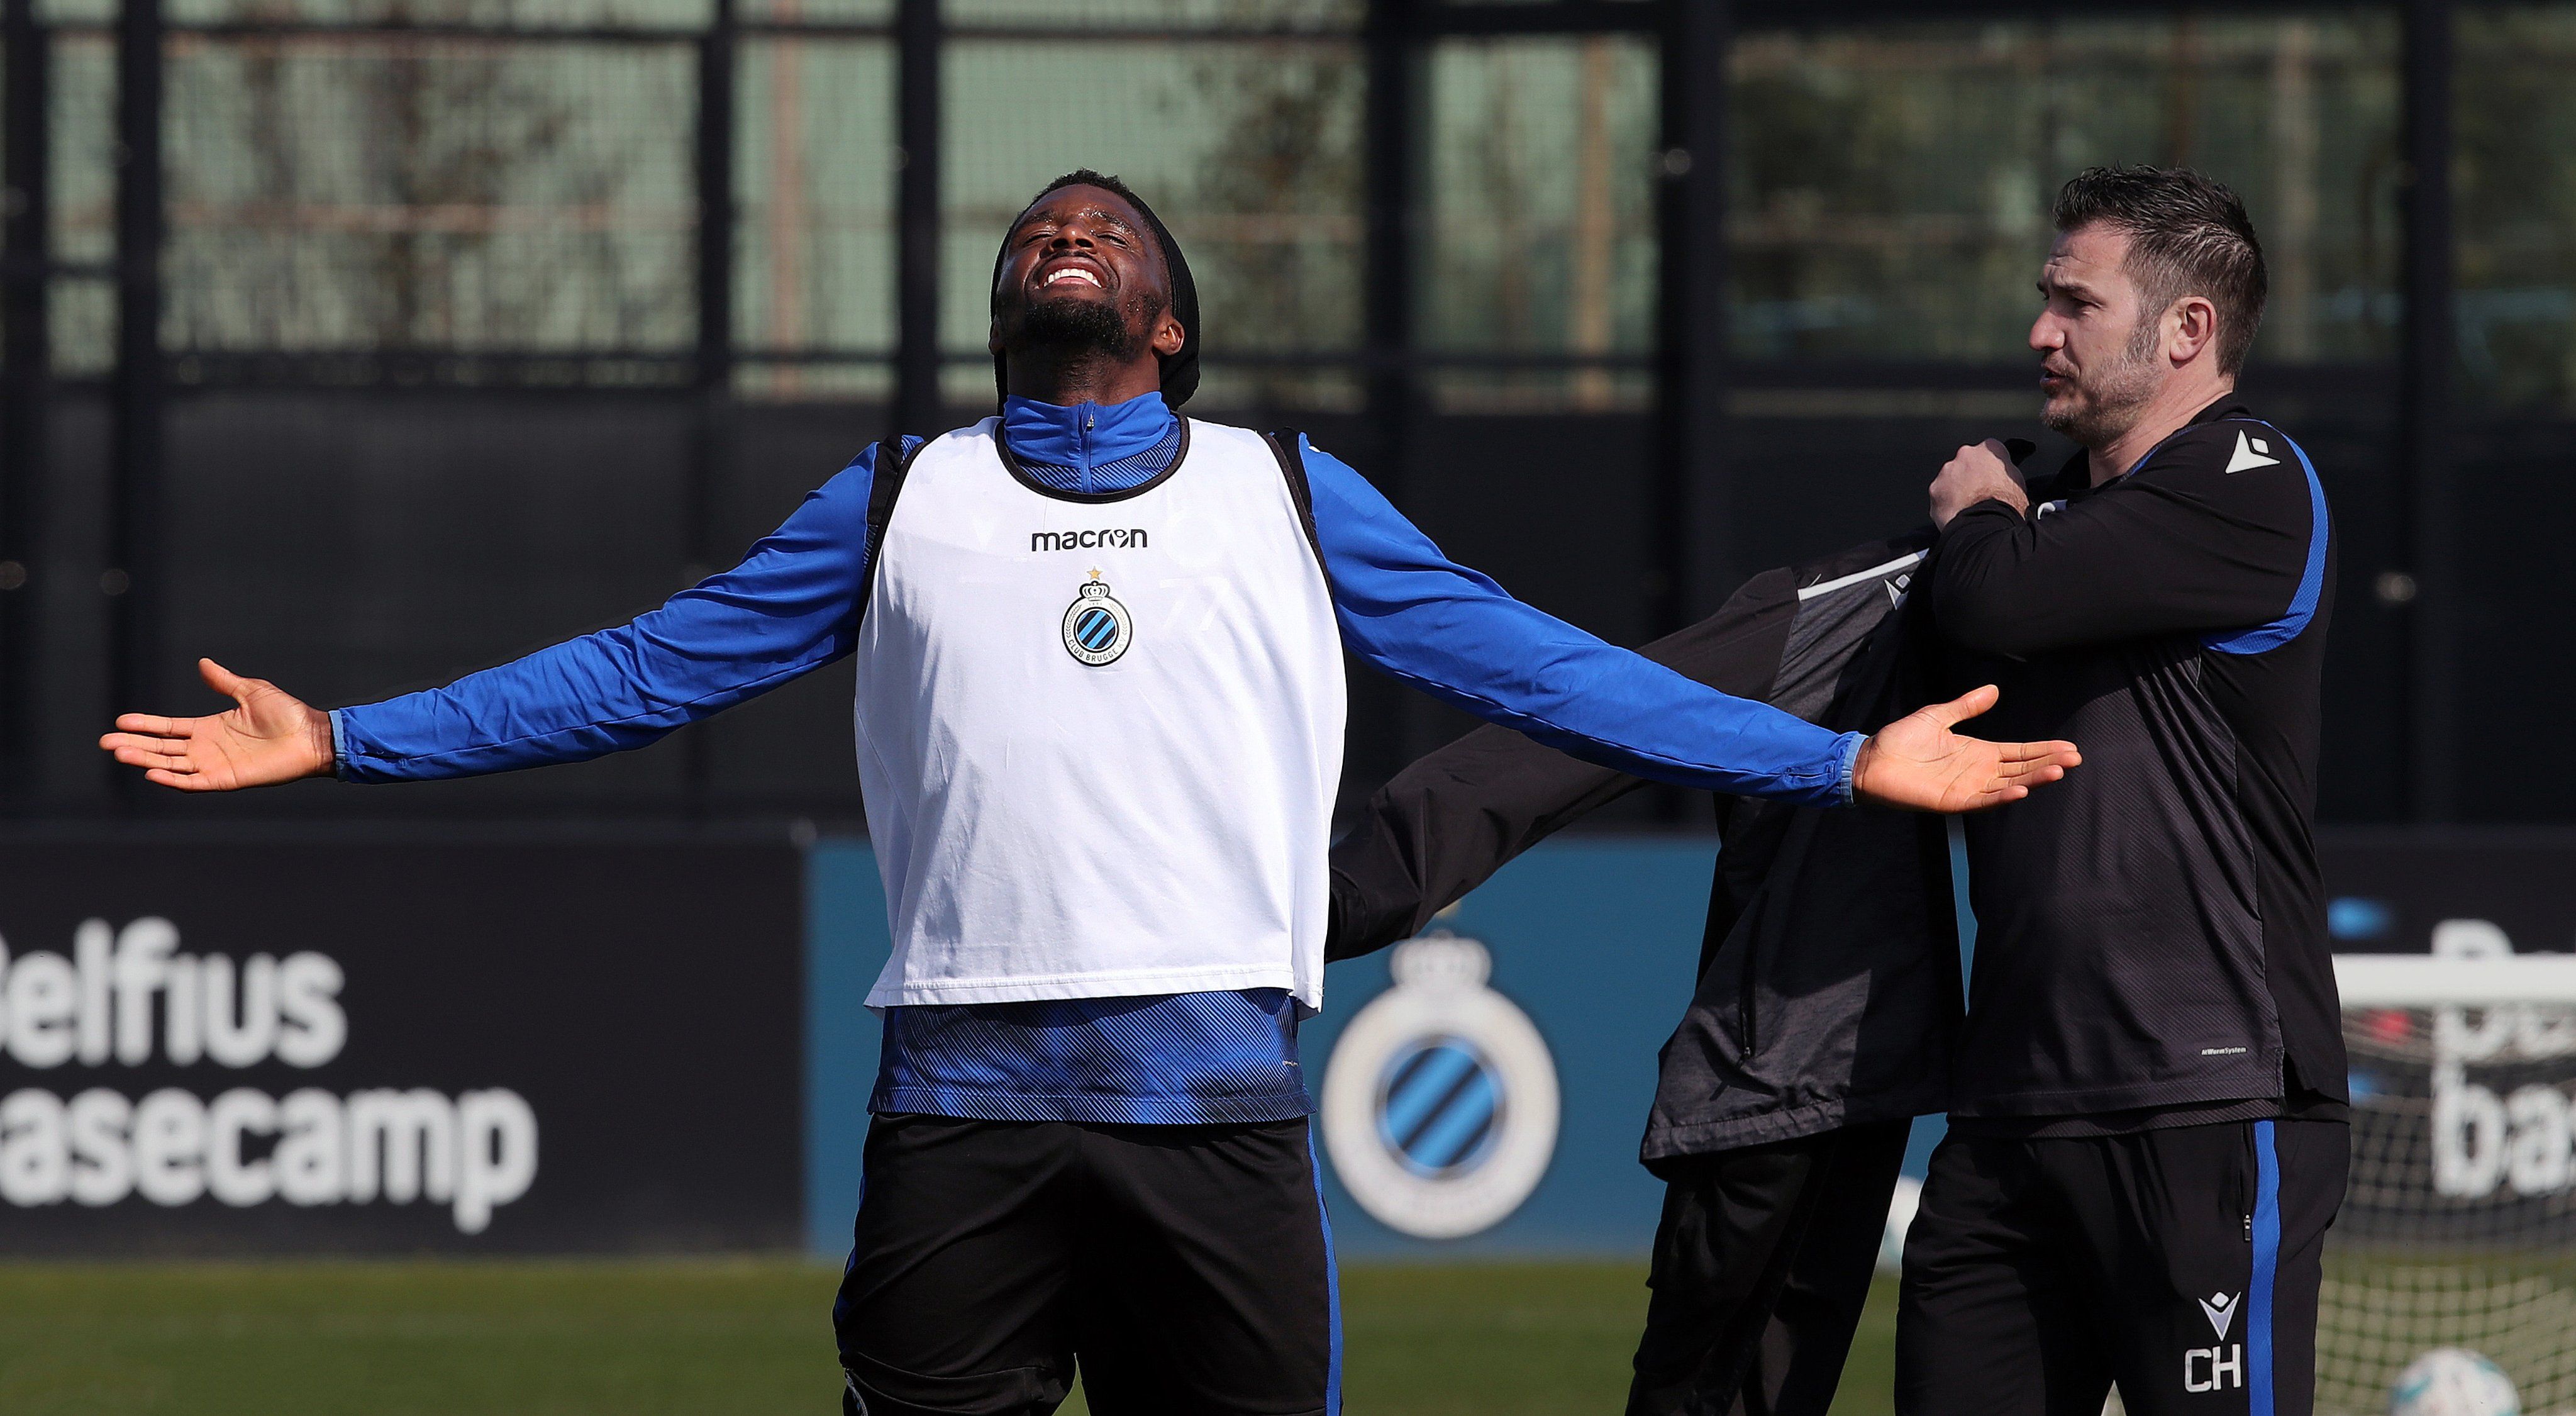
point(2151, 945)
point(1828, 987)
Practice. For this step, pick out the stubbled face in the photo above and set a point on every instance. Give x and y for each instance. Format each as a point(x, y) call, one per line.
point(1082, 272)
point(2101, 353)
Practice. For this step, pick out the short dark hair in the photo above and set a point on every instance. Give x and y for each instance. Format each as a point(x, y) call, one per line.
point(2188, 235)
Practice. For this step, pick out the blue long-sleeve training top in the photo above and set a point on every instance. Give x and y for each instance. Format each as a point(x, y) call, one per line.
point(1402, 607)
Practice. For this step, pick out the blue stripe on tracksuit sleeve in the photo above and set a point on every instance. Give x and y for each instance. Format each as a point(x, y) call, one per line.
point(786, 610)
point(2264, 638)
point(1412, 613)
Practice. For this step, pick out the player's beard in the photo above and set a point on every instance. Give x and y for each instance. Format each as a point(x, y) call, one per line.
point(1080, 331)
point(2113, 398)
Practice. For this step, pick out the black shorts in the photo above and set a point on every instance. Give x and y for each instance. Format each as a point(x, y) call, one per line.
point(2182, 1264)
point(1762, 1267)
point(1187, 1269)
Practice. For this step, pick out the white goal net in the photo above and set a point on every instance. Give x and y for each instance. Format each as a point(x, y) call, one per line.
point(2459, 1228)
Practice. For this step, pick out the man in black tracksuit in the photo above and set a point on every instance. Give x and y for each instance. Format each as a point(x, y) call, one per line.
point(2148, 1089)
point(2148, 1098)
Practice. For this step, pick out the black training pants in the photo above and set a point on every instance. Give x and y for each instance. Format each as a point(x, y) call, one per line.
point(1762, 1265)
point(1188, 1269)
point(2183, 1264)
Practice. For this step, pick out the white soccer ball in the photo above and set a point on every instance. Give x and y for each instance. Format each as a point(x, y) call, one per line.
point(2453, 1381)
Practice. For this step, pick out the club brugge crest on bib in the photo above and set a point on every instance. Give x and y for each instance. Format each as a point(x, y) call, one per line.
point(1096, 627)
point(1440, 1100)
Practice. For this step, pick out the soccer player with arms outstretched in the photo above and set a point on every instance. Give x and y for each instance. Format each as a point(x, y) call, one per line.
point(1099, 717)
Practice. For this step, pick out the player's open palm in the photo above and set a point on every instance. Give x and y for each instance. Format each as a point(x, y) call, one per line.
point(1917, 763)
point(267, 736)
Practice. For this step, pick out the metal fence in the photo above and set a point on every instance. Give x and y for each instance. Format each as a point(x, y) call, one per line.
point(374, 338)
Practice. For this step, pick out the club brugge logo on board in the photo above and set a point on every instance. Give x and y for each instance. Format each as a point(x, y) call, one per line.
point(1096, 627)
point(1440, 1100)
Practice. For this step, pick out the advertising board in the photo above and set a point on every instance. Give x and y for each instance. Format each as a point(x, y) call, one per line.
point(398, 1044)
point(533, 1043)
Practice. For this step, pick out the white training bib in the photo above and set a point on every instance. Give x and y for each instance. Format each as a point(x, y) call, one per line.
point(1099, 735)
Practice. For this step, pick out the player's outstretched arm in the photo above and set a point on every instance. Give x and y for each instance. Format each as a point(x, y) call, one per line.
point(790, 607)
point(1412, 613)
point(268, 736)
point(1918, 764)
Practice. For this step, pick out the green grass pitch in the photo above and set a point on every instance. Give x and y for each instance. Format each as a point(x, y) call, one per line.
point(719, 1338)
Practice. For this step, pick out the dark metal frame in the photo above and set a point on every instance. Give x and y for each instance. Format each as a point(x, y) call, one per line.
point(1691, 488)
point(25, 226)
point(2428, 345)
point(137, 399)
point(917, 360)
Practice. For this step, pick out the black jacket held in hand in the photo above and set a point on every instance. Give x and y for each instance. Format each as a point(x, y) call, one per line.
point(1828, 987)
